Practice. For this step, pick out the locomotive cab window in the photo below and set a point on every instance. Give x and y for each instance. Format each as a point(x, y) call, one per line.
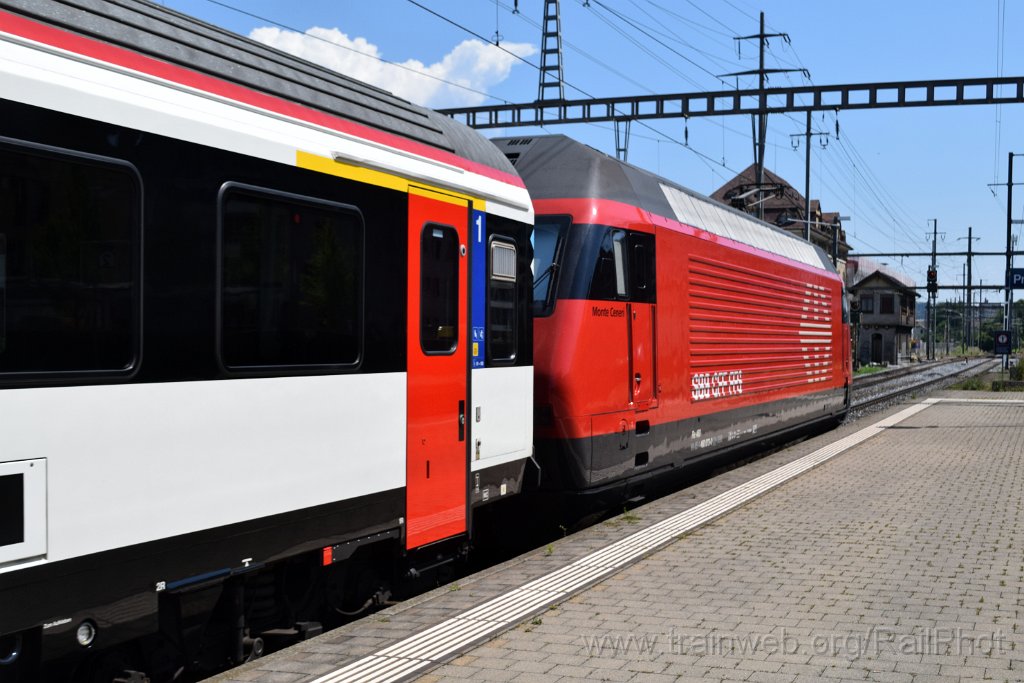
point(501, 302)
point(624, 265)
point(548, 239)
point(609, 280)
point(439, 289)
point(69, 264)
point(291, 278)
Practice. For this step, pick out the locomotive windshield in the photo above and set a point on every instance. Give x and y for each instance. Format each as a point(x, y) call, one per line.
point(549, 234)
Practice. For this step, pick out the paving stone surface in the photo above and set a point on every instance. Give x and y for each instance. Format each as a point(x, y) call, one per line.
point(899, 560)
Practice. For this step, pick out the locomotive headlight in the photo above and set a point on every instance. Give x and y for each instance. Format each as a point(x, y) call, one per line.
point(86, 633)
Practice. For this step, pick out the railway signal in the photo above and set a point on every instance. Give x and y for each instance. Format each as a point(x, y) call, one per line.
point(1002, 342)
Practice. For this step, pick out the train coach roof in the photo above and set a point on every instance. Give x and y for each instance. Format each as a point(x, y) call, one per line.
point(178, 39)
point(557, 167)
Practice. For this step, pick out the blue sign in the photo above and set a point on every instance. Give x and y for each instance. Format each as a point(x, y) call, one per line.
point(478, 288)
point(1002, 339)
point(1016, 278)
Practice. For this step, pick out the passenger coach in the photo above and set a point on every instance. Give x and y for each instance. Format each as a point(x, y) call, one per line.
point(263, 330)
point(668, 328)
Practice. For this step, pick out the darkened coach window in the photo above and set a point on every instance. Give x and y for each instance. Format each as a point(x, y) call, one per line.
point(501, 302)
point(12, 509)
point(69, 281)
point(439, 289)
point(291, 280)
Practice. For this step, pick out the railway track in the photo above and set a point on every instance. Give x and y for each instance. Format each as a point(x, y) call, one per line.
point(868, 391)
point(896, 384)
point(863, 381)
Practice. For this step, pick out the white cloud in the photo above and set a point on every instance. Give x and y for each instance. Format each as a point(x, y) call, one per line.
point(471, 64)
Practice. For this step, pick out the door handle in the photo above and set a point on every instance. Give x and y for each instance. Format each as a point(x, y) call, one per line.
point(462, 420)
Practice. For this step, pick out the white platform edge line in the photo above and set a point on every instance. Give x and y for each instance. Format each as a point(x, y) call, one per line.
point(566, 575)
point(997, 401)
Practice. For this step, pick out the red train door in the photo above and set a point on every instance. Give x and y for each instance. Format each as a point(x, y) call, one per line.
point(641, 319)
point(437, 368)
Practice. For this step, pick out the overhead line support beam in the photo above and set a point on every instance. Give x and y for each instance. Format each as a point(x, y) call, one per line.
point(888, 95)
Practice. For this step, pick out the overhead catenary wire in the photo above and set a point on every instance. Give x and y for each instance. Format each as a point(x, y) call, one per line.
point(473, 33)
point(882, 210)
point(643, 48)
point(876, 193)
point(709, 16)
point(637, 26)
point(670, 139)
point(897, 223)
point(700, 155)
point(589, 56)
point(744, 13)
point(397, 65)
point(667, 33)
point(704, 157)
point(877, 190)
point(583, 53)
point(650, 35)
point(862, 168)
point(691, 22)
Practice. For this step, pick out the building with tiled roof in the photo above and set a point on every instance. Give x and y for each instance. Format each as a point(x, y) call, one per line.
point(783, 206)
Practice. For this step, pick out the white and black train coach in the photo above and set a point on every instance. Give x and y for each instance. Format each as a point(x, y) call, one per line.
point(263, 329)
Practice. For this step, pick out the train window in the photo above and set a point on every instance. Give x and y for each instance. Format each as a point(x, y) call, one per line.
point(618, 251)
point(641, 267)
point(291, 279)
point(609, 280)
point(501, 302)
point(548, 239)
point(69, 262)
point(439, 289)
point(12, 509)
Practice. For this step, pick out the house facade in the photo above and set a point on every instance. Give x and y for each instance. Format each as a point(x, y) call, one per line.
point(886, 306)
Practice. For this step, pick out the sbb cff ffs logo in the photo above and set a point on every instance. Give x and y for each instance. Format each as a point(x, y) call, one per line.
point(705, 385)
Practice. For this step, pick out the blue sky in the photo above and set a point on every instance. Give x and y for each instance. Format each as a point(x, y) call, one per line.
point(891, 171)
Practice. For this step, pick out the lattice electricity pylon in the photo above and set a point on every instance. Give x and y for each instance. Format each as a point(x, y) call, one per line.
point(551, 53)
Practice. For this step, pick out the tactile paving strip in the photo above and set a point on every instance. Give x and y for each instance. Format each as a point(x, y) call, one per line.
point(440, 643)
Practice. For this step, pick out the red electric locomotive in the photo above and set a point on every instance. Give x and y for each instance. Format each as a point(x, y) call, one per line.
point(668, 327)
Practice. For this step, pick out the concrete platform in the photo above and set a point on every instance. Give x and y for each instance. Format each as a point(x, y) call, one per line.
point(887, 550)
